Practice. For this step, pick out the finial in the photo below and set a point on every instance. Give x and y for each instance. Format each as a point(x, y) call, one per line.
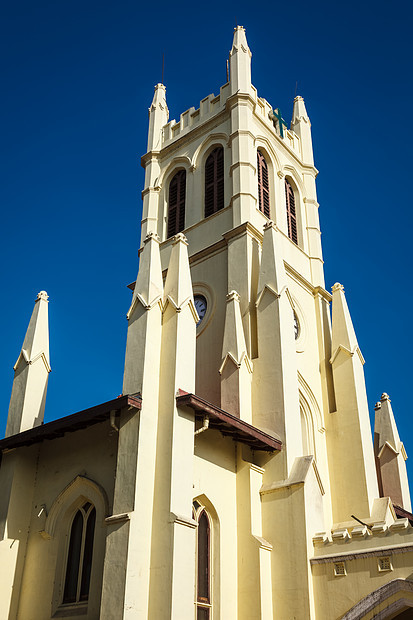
point(337, 287)
point(270, 224)
point(233, 296)
point(152, 235)
point(180, 237)
point(377, 405)
point(42, 295)
point(385, 396)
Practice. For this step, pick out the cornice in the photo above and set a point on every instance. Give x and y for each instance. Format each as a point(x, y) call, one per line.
point(240, 132)
point(355, 555)
point(243, 98)
point(237, 164)
point(245, 228)
point(148, 190)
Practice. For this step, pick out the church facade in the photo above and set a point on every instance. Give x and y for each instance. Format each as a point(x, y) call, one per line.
point(236, 477)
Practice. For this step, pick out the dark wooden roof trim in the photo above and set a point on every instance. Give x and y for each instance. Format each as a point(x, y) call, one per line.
point(228, 424)
point(70, 423)
point(402, 513)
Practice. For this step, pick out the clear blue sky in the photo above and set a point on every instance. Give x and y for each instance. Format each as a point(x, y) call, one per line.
point(77, 81)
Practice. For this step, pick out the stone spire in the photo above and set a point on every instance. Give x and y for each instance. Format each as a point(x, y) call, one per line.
point(343, 334)
point(144, 331)
point(236, 366)
point(240, 63)
point(301, 125)
point(31, 372)
point(158, 117)
point(354, 481)
point(275, 395)
point(390, 455)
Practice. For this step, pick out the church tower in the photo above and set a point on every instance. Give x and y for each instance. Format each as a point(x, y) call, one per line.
point(236, 272)
point(235, 478)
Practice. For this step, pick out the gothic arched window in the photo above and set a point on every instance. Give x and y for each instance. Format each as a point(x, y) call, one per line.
point(291, 213)
point(203, 591)
point(214, 181)
point(79, 557)
point(263, 185)
point(176, 206)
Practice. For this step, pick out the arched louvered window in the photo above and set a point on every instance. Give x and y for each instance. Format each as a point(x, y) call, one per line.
point(79, 557)
point(203, 599)
point(291, 213)
point(214, 181)
point(176, 205)
point(263, 185)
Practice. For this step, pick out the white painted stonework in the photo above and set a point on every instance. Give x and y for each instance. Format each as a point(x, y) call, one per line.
point(318, 529)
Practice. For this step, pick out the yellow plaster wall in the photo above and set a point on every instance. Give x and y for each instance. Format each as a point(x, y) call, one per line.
point(334, 596)
point(90, 453)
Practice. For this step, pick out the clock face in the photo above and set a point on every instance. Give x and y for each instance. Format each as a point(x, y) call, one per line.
point(200, 307)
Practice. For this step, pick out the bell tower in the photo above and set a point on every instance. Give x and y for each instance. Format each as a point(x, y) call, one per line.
point(230, 309)
point(216, 204)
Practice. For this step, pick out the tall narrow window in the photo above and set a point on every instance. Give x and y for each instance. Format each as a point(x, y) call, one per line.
point(291, 214)
point(263, 185)
point(176, 207)
point(214, 181)
point(203, 599)
point(79, 558)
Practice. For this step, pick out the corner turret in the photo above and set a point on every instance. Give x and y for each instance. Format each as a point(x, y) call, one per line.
point(158, 117)
point(240, 63)
point(31, 372)
point(301, 125)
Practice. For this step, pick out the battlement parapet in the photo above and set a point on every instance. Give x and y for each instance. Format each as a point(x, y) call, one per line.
point(208, 107)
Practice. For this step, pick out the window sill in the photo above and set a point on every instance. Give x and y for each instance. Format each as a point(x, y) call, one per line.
point(70, 610)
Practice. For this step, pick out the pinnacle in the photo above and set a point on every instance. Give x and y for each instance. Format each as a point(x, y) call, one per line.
point(343, 333)
point(240, 39)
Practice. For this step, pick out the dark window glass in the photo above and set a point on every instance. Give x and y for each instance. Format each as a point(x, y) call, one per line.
point(87, 556)
point(214, 181)
point(73, 559)
point(291, 213)
point(79, 559)
point(202, 613)
point(263, 184)
point(176, 205)
point(203, 559)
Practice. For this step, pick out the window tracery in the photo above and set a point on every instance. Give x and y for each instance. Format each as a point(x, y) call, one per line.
point(79, 557)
